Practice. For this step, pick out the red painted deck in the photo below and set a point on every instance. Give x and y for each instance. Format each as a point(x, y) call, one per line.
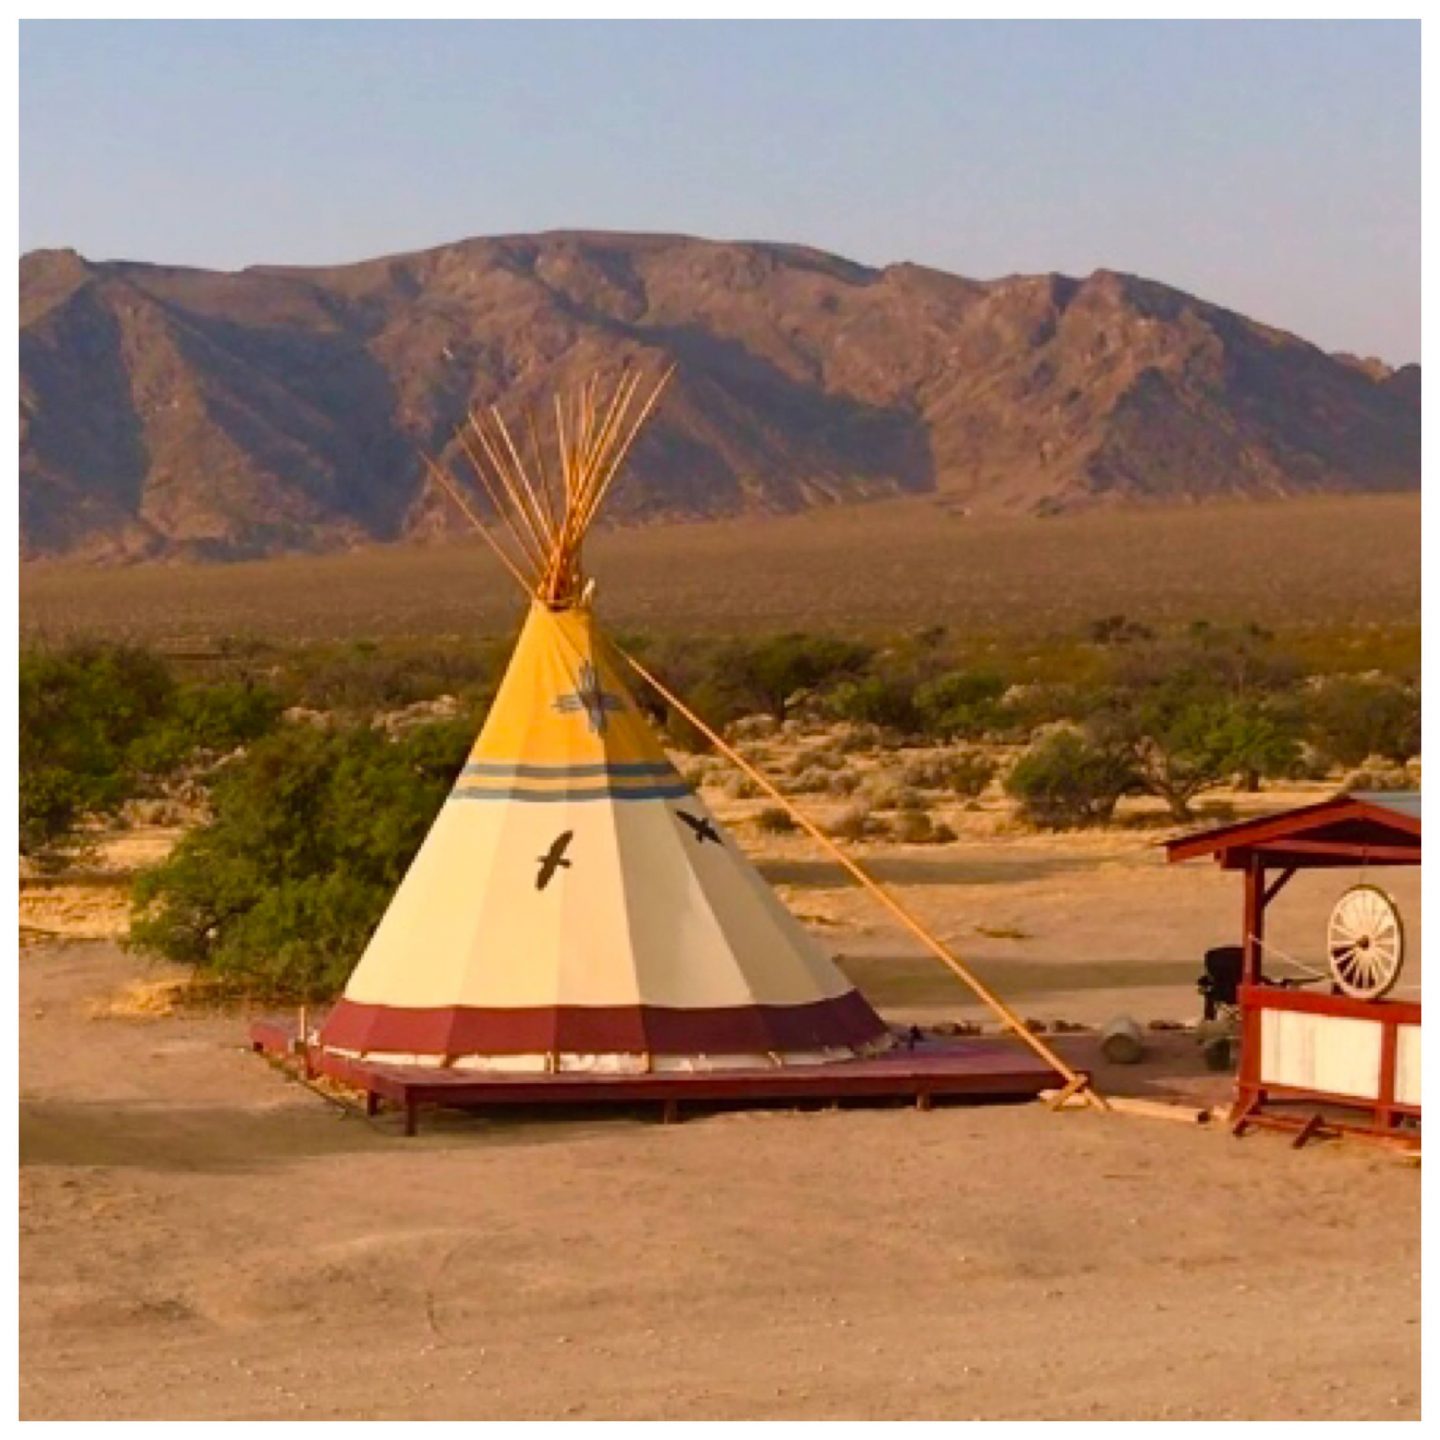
point(933, 1070)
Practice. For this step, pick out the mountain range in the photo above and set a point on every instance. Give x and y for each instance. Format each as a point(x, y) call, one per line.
point(181, 413)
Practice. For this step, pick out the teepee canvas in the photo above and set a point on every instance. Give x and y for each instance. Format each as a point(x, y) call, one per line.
point(575, 905)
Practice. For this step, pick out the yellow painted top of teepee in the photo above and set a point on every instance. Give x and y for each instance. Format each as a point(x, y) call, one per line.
point(565, 722)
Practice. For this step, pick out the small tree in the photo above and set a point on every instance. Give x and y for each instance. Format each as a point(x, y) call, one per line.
point(1264, 741)
point(1179, 751)
point(1068, 779)
point(1195, 711)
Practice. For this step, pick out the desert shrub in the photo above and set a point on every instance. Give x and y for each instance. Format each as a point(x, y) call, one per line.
point(1378, 773)
point(754, 727)
point(773, 820)
point(886, 701)
point(53, 802)
point(1353, 717)
point(918, 827)
point(962, 704)
point(811, 780)
point(965, 773)
point(80, 711)
point(1066, 780)
point(1029, 707)
point(857, 739)
point(214, 718)
point(1117, 630)
point(969, 774)
point(855, 822)
point(698, 770)
point(1237, 661)
point(891, 792)
point(767, 675)
point(739, 786)
point(310, 833)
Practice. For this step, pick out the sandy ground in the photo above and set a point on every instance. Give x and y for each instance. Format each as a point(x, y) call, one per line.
point(202, 1238)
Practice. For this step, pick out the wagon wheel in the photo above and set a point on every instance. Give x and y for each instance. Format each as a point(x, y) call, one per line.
point(1366, 942)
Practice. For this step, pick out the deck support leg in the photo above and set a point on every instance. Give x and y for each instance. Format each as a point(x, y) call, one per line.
point(1307, 1131)
point(922, 1100)
point(1240, 1116)
point(372, 1103)
point(412, 1117)
point(670, 1112)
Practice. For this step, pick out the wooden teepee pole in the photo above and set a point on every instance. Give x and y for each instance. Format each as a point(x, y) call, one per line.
point(616, 461)
point(522, 475)
point(437, 473)
point(1075, 1081)
point(531, 541)
point(542, 474)
point(592, 465)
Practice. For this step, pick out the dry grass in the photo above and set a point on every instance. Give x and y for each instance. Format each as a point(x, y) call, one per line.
point(155, 999)
point(1289, 565)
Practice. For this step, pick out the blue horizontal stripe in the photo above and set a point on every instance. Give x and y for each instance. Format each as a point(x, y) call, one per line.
point(646, 792)
point(544, 772)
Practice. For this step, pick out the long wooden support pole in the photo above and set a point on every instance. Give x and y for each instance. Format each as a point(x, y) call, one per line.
point(1076, 1083)
point(437, 473)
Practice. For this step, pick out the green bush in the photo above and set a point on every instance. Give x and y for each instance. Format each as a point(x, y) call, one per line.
point(1353, 717)
point(1066, 780)
point(884, 700)
point(81, 710)
point(101, 723)
point(963, 704)
point(766, 676)
point(310, 834)
point(363, 677)
point(214, 718)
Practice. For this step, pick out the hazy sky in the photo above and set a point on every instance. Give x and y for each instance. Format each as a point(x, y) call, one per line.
point(1274, 168)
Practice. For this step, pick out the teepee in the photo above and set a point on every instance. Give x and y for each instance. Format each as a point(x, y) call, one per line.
point(575, 905)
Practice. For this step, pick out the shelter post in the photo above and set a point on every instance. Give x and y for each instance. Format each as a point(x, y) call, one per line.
point(1254, 930)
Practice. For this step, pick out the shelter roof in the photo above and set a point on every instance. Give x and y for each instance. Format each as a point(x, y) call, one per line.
point(1357, 828)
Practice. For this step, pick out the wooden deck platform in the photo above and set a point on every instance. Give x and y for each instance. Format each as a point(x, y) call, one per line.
point(958, 1069)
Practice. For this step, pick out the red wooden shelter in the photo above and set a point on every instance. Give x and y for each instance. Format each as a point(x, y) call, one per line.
point(1310, 1059)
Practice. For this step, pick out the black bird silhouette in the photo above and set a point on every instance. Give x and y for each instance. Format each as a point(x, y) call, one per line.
point(704, 829)
point(553, 859)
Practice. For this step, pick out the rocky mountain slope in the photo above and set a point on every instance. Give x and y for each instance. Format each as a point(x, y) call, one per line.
point(170, 411)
